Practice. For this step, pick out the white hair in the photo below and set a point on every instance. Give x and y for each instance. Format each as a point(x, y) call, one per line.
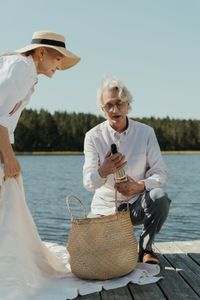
point(109, 84)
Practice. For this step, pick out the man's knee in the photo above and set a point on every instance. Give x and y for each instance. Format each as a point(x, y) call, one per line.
point(156, 193)
point(161, 201)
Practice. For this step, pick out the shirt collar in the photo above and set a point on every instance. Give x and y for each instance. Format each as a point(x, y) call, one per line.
point(115, 133)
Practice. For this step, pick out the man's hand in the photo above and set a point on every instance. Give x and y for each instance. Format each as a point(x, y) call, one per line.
point(130, 188)
point(111, 164)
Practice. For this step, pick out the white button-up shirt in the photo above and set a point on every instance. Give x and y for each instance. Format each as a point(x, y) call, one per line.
point(144, 162)
point(18, 76)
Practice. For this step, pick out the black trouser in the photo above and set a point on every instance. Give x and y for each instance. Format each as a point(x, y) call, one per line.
point(151, 210)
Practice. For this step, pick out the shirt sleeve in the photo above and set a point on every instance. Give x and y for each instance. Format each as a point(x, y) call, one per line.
point(156, 174)
point(91, 178)
point(15, 83)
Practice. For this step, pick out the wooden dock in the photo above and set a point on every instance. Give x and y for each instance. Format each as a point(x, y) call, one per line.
point(180, 267)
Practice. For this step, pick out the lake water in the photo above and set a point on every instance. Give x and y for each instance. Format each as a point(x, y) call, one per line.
point(48, 179)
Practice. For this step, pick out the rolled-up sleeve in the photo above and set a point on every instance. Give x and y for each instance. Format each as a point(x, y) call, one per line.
point(91, 178)
point(15, 83)
point(156, 174)
point(18, 75)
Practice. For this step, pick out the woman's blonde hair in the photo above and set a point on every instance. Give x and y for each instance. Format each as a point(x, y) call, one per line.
point(51, 51)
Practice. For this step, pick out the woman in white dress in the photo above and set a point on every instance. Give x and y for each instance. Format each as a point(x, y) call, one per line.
point(18, 75)
point(25, 261)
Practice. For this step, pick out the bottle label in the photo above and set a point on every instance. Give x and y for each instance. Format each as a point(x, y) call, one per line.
point(120, 176)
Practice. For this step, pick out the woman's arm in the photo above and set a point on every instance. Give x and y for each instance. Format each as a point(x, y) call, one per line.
point(11, 165)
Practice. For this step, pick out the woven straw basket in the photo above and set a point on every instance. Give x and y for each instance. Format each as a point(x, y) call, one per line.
point(102, 247)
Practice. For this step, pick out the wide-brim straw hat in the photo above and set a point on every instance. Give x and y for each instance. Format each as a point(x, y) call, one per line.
point(55, 41)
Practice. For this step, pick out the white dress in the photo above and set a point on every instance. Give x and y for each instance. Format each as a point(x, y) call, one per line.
point(33, 270)
point(24, 259)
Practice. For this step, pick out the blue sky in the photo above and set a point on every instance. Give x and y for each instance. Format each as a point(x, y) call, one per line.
point(152, 46)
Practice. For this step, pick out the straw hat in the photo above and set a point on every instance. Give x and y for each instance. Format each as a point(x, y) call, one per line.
point(55, 41)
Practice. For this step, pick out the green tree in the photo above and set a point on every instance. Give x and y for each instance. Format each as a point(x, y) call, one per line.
point(62, 131)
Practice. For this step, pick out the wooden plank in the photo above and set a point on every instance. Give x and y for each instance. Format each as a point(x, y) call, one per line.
point(195, 257)
point(93, 296)
point(173, 285)
point(187, 268)
point(167, 247)
point(146, 292)
point(183, 262)
point(189, 246)
point(117, 294)
point(178, 247)
point(180, 271)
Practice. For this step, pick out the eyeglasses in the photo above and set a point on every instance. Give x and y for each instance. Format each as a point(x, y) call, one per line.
point(110, 105)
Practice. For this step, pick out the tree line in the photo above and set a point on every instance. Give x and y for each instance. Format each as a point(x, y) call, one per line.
point(63, 131)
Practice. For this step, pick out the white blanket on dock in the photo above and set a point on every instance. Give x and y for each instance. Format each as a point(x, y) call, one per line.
point(33, 270)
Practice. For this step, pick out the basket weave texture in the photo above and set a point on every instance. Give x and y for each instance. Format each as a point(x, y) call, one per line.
point(103, 247)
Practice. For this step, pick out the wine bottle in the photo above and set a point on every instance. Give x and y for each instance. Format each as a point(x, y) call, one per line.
point(120, 175)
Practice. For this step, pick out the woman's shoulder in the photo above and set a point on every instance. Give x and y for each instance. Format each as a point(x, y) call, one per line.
point(17, 62)
point(13, 57)
point(19, 68)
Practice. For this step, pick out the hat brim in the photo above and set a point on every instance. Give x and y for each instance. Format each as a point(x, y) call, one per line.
point(69, 58)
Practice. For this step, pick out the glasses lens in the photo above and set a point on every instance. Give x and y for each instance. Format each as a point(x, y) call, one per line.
point(110, 106)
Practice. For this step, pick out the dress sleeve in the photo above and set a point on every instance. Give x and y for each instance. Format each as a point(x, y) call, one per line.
point(91, 178)
point(15, 83)
point(156, 174)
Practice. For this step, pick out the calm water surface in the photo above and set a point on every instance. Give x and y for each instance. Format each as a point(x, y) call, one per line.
point(48, 179)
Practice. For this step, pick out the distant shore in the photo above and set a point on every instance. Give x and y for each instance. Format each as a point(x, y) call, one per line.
point(50, 153)
point(81, 153)
point(181, 152)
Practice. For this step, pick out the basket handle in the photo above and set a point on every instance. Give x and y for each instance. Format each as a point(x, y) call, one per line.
point(117, 201)
point(68, 199)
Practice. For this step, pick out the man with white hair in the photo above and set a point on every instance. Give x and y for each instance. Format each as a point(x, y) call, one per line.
point(140, 157)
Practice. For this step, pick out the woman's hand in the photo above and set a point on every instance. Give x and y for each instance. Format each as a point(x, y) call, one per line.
point(7, 155)
point(111, 164)
point(11, 168)
point(130, 188)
